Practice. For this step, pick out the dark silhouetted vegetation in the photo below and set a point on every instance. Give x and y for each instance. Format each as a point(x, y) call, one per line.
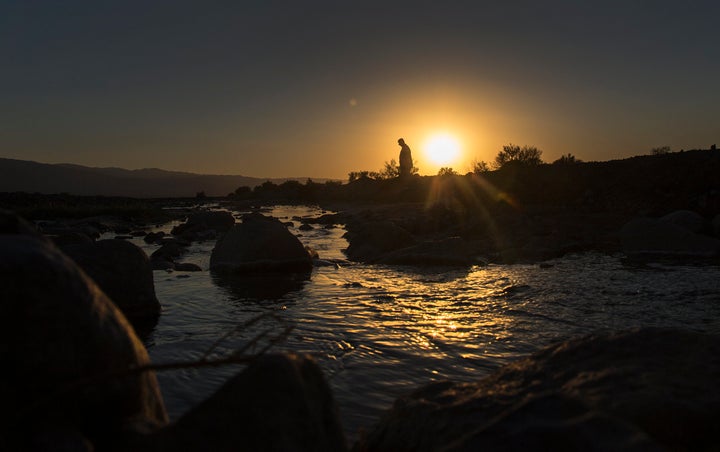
point(446, 171)
point(515, 155)
point(567, 159)
point(685, 180)
point(36, 206)
point(662, 150)
point(390, 170)
point(479, 167)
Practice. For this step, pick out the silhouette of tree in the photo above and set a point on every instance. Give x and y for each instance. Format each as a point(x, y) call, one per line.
point(662, 150)
point(357, 175)
point(479, 167)
point(567, 159)
point(390, 170)
point(516, 155)
point(243, 192)
point(446, 171)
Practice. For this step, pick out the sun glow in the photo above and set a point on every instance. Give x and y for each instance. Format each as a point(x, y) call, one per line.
point(442, 149)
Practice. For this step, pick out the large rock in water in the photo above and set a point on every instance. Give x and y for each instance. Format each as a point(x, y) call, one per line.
point(369, 241)
point(686, 219)
point(259, 243)
point(280, 402)
point(123, 272)
point(649, 236)
point(651, 389)
point(66, 350)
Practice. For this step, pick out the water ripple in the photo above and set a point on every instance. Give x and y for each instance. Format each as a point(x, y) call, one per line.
point(379, 331)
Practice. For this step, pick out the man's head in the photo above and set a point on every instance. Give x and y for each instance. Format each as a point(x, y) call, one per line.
point(401, 142)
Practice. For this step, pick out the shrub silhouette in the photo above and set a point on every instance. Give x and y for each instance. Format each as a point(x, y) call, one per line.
point(568, 159)
point(446, 171)
point(479, 167)
point(515, 155)
point(662, 150)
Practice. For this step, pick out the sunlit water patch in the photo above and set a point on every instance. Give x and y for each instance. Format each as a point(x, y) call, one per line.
point(379, 332)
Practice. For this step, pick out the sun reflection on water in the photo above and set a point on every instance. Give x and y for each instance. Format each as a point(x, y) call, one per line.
point(379, 332)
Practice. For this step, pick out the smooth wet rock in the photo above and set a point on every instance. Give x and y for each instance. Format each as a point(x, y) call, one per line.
point(556, 422)
point(11, 223)
point(259, 243)
point(686, 219)
point(279, 403)
point(66, 350)
point(169, 250)
point(123, 272)
point(649, 236)
point(645, 389)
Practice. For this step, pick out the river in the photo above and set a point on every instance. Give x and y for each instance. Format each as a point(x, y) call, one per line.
point(379, 332)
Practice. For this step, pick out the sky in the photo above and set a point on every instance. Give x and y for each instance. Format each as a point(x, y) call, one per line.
point(323, 88)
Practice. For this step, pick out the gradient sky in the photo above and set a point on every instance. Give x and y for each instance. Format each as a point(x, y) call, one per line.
point(319, 89)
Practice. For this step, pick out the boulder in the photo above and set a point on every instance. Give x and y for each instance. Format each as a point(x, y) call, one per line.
point(123, 272)
point(645, 389)
point(68, 352)
point(280, 402)
point(71, 238)
point(649, 236)
point(370, 240)
point(259, 243)
point(686, 219)
point(11, 223)
point(169, 250)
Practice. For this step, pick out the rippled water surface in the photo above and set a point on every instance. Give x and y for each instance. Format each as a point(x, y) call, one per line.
point(379, 332)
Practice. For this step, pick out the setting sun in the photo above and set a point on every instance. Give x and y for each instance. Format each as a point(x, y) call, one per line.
point(442, 149)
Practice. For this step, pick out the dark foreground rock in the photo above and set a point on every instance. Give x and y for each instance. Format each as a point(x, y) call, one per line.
point(259, 243)
point(123, 272)
point(279, 403)
point(66, 350)
point(651, 389)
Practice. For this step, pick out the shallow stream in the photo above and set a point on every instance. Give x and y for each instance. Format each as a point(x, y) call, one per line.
point(379, 332)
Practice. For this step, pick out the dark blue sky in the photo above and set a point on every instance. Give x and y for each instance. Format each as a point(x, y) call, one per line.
point(279, 88)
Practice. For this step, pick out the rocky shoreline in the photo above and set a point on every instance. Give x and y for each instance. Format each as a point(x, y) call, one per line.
point(75, 307)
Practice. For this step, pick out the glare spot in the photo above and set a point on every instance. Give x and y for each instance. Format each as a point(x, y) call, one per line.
point(353, 102)
point(442, 149)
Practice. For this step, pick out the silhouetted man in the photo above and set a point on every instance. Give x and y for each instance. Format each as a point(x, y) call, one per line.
point(406, 163)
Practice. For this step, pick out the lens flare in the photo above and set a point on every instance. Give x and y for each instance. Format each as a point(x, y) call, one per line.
point(442, 149)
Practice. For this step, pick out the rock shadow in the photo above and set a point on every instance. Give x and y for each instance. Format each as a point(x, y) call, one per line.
point(260, 286)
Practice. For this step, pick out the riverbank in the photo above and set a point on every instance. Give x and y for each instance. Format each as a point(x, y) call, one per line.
point(378, 332)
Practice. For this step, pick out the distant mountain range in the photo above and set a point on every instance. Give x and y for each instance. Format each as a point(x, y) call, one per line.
point(34, 177)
